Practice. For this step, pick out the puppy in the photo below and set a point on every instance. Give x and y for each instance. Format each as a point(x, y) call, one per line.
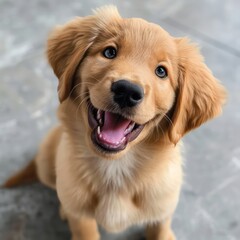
point(128, 92)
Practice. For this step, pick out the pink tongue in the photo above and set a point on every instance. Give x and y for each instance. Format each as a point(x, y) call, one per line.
point(114, 127)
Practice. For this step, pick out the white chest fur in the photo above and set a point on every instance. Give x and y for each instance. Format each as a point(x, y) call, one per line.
point(116, 183)
point(115, 210)
point(116, 172)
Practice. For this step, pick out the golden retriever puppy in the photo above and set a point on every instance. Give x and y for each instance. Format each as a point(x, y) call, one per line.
point(128, 92)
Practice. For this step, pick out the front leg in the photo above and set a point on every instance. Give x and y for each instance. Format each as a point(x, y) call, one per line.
point(83, 228)
point(160, 231)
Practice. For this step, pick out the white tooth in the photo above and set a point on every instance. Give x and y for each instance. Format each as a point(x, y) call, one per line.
point(100, 135)
point(98, 130)
point(99, 114)
point(123, 140)
point(100, 121)
point(130, 128)
point(132, 125)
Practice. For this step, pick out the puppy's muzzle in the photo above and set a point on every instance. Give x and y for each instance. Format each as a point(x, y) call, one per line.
point(127, 94)
point(112, 131)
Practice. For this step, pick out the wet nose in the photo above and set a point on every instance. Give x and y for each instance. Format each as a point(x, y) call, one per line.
point(127, 94)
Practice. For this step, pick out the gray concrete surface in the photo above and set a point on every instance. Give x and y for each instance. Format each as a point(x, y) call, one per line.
point(209, 207)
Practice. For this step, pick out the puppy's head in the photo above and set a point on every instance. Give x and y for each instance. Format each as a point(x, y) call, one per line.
point(126, 78)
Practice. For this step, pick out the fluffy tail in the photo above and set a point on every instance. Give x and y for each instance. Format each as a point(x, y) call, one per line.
point(26, 175)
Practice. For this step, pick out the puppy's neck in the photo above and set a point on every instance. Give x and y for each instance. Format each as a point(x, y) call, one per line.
point(118, 172)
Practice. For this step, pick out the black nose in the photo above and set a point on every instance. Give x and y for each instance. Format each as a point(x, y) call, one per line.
point(127, 94)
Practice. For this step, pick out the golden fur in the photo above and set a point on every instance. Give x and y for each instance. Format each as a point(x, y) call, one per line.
point(140, 184)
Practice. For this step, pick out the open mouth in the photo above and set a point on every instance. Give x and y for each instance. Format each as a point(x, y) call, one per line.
point(111, 132)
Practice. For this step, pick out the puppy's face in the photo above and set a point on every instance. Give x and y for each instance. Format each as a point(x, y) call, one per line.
point(129, 81)
point(127, 76)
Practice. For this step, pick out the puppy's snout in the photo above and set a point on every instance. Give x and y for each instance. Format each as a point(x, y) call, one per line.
point(127, 94)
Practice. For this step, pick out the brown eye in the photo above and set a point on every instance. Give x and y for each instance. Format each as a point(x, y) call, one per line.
point(110, 52)
point(161, 72)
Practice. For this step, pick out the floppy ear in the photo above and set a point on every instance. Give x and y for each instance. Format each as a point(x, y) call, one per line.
point(68, 45)
point(200, 96)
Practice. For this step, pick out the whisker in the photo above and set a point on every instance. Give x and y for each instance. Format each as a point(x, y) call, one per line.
point(80, 95)
point(76, 98)
point(159, 127)
point(83, 100)
point(98, 80)
point(76, 86)
point(168, 118)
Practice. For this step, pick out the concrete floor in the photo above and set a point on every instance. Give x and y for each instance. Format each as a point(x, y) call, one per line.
point(210, 202)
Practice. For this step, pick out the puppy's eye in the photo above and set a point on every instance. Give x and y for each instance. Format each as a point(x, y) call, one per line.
point(110, 52)
point(161, 72)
